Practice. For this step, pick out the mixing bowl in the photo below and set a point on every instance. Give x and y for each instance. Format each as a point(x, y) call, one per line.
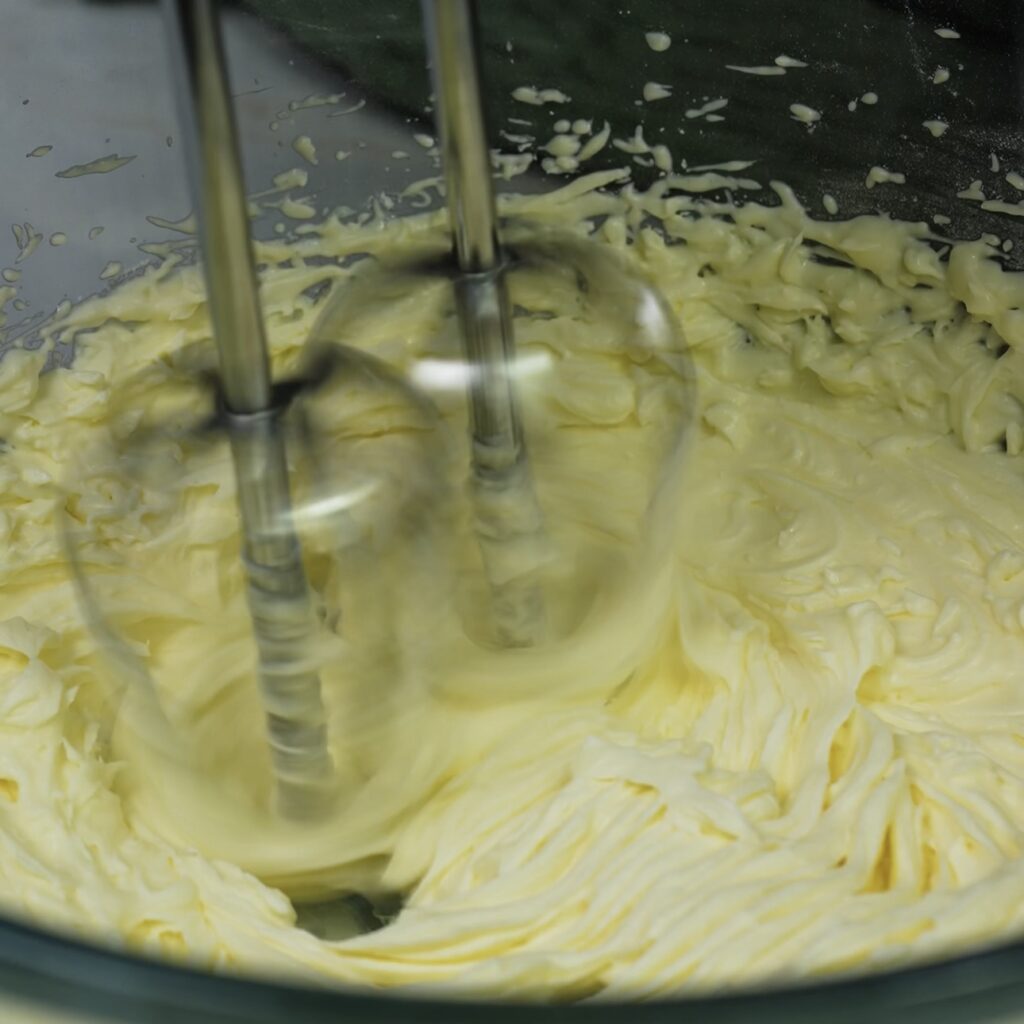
point(87, 79)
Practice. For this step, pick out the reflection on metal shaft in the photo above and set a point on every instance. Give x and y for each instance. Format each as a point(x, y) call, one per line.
point(218, 191)
point(277, 590)
point(506, 508)
point(451, 36)
point(282, 618)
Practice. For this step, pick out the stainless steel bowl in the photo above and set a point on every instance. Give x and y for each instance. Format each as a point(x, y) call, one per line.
point(90, 79)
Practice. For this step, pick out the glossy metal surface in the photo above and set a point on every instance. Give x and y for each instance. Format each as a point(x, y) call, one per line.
point(506, 508)
point(278, 595)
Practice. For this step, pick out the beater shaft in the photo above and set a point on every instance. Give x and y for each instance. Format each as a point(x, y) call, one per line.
point(278, 593)
point(508, 518)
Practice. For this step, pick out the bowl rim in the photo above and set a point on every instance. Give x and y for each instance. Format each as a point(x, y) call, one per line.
point(62, 973)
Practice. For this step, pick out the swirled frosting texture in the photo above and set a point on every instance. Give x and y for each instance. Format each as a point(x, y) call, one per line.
point(819, 770)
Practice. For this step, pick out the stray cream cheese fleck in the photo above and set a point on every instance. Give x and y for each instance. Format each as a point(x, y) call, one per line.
point(802, 112)
point(656, 91)
point(759, 69)
point(538, 97)
point(101, 165)
point(882, 175)
point(973, 191)
point(303, 145)
point(710, 107)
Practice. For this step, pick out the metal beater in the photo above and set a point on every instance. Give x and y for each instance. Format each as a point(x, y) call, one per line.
point(250, 410)
point(278, 593)
point(554, 570)
point(505, 504)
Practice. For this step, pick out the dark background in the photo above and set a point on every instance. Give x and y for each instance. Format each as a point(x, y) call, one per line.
point(596, 52)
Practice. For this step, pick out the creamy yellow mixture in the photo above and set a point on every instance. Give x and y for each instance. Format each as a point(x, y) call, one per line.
point(819, 768)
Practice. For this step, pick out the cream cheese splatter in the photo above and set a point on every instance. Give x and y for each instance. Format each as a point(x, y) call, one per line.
point(710, 107)
point(757, 69)
point(538, 97)
point(802, 112)
point(883, 176)
point(303, 145)
point(973, 191)
point(656, 91)
point(101, 165)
